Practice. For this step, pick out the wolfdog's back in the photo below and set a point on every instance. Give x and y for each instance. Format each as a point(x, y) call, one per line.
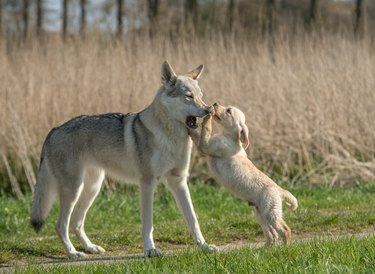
point(89, 141)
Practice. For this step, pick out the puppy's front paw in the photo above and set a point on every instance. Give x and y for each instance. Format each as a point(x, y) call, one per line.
point(207, 118)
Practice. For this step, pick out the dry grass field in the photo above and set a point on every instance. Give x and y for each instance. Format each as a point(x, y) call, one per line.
point(309, 101)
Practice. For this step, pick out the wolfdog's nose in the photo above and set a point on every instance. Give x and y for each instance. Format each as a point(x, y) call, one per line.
point(209, 109)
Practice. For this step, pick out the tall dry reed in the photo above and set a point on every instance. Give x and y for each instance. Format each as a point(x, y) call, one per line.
point(309, 101)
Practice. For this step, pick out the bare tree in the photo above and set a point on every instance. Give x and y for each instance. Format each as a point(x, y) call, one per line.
point(119, 18)
point(153, 10)
point(313, 12)
point(1, 17)
point(25, 16)
point(190, 10)
point(83, 17)
point(39, 17)
point(230, 14)
point(359, 27)
point(65, 17)
point(268, 25)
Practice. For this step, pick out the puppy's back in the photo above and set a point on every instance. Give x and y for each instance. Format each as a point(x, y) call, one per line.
point(239, 175)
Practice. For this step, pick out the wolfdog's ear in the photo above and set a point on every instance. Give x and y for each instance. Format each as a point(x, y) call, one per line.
point(243, 135)
point(195, 73)
point(168, 76)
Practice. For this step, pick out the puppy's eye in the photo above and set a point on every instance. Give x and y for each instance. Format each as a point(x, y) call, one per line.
point(229, 111)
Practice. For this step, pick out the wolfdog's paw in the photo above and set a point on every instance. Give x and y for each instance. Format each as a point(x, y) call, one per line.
point(152, 253)
point(209, 247)
point(94, 249)
point(76, 254)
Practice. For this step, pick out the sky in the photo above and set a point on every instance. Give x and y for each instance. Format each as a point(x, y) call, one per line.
point(53, 15)
point(95, 15)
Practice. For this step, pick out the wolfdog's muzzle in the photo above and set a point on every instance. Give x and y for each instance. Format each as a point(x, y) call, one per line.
point(191, 121)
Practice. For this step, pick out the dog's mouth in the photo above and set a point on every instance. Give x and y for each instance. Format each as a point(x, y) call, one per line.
point(191, 122)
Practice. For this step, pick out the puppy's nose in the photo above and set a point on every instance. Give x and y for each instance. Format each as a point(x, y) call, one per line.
point(215, 104)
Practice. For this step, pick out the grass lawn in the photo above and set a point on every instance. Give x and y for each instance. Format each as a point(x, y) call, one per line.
point(348, 255)
point(114, 223)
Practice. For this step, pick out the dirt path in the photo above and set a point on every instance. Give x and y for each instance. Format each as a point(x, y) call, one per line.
point(54, 261)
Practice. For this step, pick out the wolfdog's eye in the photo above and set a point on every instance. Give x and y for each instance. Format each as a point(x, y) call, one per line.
point(229, 111)
point(190, 96)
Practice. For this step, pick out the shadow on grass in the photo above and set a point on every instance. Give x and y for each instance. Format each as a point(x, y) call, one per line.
point(60, 259)
point(28, 251)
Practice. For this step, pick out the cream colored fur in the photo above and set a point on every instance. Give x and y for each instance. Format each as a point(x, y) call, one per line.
point(228, 162)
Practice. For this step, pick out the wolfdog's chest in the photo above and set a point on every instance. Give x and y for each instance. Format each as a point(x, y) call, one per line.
point(170, 155)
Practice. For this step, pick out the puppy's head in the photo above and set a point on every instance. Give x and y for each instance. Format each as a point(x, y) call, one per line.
point(232, 120)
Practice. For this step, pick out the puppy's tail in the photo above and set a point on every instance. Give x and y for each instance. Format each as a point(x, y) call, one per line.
point(290, 200)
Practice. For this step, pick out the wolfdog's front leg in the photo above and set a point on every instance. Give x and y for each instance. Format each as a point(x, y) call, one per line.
point(147, 190)
point(179, 188)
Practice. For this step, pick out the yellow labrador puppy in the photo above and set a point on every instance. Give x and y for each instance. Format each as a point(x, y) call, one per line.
point(228, 162)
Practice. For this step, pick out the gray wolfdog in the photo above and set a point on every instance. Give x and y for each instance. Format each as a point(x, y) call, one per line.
point(142, 147)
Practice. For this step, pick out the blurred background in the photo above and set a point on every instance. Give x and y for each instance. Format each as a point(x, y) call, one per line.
point(303, 71)
point(23, 19)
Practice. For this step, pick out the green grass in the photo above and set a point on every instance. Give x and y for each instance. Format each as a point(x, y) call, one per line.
point(348, 255)
point(114, 223)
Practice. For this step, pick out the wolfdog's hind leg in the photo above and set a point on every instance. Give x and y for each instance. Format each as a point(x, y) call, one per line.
point(91, 187)
point(69, 194)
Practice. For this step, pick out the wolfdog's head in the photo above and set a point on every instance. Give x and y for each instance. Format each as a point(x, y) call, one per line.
point(181, 95)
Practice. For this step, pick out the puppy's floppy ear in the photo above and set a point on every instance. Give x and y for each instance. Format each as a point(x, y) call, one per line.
point(243, 135)
point(168, 76)
point(195, 73)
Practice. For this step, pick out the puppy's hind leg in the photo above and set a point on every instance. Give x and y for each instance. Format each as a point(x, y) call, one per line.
point(268, 231)
point(91, 187)
point(283, 230)
point(275, 218)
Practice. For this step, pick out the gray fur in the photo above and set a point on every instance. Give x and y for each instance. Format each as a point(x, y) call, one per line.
point(137, 147)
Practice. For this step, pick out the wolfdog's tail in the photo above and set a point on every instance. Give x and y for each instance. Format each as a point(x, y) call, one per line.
point(44, 196)
point(290, 200)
